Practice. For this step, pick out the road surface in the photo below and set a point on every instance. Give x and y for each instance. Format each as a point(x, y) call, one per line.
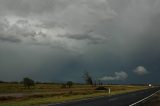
point(116, 100)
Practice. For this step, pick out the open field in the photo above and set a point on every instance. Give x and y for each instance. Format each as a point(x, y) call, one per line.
point(17, 95)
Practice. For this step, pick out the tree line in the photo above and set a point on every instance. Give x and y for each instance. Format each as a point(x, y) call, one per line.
point(28, 82)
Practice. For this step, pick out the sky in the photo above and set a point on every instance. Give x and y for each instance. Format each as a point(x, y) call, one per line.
point(116, 41)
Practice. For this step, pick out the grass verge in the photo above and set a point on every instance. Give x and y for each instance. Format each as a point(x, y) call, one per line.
point(68, 97)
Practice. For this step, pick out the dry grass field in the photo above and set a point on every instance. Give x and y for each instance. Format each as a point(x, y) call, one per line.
point(17, 95)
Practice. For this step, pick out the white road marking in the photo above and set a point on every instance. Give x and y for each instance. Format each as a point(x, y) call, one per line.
point(144, 99)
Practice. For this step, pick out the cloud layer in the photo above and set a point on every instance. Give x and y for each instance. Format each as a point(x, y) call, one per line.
point(47, 39)
point(66, 24)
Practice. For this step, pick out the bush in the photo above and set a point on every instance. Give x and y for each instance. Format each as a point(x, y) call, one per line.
point(69, 84)
point(28, 82)
point(2, 82)
point(101, 88)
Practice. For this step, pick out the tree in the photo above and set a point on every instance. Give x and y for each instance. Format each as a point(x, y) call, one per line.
point(28, 82)
point(88, 78)
point(2, 82)
point(69, 84)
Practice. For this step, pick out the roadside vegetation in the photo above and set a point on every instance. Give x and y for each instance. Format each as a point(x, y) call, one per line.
point(31, 93)
point(18, 95)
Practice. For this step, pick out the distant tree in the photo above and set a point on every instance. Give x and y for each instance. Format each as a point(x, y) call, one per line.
point(100, 82)
point(88, 78)
point(2, 82)
point(69, 84)
point(28, 82)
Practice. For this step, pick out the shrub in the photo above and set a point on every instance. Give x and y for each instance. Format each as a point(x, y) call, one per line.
point(101, 88)
point(69, 84)
point(28, 82)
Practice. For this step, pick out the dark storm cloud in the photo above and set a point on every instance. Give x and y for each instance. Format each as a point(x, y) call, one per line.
point(90, 36)
point(10, 39)
point(72, 19)
point(26, 7)
point(98, 35)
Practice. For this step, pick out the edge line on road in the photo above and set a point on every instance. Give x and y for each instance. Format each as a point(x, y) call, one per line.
point(133, 104)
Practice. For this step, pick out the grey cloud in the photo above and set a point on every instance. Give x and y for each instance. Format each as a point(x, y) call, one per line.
point(118, 76)
point(71, 19)
point(91, 37)
point(13, 33)
point(26, 7)
point(10, 39)
point(140, 70)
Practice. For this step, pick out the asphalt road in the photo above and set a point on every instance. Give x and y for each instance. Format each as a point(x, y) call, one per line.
point(116, 100)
